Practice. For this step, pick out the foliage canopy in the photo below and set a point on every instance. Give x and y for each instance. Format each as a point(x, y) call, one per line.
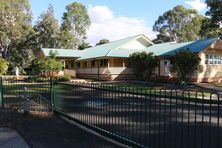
point(3, 66)
point(16, 32)
point(143, 64)
point(75, 22)
point(49, 66)
point(185, 63)
point(178, 24)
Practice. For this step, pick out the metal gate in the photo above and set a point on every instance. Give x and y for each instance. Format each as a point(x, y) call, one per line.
point(35, 91)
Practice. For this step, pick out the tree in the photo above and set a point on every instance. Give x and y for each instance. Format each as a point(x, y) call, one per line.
point(179, 24)
point(162, 38)
point(103, 41)
point(84, 45)
point(15, 30)
point(75, 22)
point(185, 63)
point(66, 40)
point(24, 53)
point(212, 26)
point(3, 66)
point(49, 66)
point(47, 29)
point(143, 64)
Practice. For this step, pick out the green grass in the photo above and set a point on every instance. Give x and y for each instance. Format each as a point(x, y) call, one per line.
point(157, 90)
point(10, 88)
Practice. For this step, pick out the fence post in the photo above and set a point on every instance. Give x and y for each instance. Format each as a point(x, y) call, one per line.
point(1, 93)
point(51, 93)
point(26, 103)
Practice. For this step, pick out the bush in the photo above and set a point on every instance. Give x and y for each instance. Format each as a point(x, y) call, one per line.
point(36, 79)
point(64, 78)
point(3, 66)
point(48, 67)
point(143, 64)
point(185, 63)
point(166, 80)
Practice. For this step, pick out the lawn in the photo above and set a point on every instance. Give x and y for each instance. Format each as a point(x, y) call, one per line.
point(165, 90)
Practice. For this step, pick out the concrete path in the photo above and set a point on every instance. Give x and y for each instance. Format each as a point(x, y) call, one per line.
point(11, 139)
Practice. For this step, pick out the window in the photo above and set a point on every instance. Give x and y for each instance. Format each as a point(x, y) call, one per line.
point(78, 65)
point(104, 63)
point(63, 62)
point(207, 59)
point(213, 59)
point(220, 60)
point(85, 64)
point(166, 62)
point(72, 65)
point(67, 66)
point(92, 63)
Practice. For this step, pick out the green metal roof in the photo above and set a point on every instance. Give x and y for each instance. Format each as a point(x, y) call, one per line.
point(122, 53)
point(165, 49)
point(67, 53)
point(170, 48)
point(113, 49)
point(105, 50)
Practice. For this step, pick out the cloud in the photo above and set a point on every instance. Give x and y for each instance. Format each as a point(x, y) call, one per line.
point(196, 4)
point(106, 25)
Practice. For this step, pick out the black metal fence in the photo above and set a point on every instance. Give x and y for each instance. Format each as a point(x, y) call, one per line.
point(36, 90)
point(142, 117)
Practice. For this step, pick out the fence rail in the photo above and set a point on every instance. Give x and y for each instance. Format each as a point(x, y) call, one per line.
point(141, 117)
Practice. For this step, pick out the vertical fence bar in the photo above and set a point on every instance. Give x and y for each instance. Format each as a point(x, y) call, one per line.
point(132, 112)
point(182, 122)
point(142, 115)
point(176, 121)
point(210, 115)
point(109, 107)
point(195, 121)
point(118, 121)
point(170, 117)
point(202, 120)
point(128, 107)
point(218, 120)
point(91, 104)
point(136, 96)
point(1, 93)
point(165, 118)
point(125, 111)
point(51, 93)
point(145, 115)
point(188, 122)
point(159, 118)
point(150, 118)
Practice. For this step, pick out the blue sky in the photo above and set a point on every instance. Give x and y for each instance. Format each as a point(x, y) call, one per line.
point(114, 19)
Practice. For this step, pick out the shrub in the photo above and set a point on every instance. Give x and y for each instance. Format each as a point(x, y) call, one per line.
point(64, 78)
point(36, 79)
point(143, 64)
point(48, 66)
point(185, 63)
point(3, 66)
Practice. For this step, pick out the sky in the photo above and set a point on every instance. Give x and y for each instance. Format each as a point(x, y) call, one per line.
point(116, 19)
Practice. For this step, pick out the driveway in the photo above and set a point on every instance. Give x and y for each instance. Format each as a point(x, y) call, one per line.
point(44, 130)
